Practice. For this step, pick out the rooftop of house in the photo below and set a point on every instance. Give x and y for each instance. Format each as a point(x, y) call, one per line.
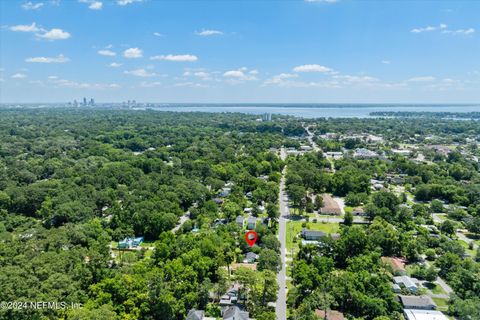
point(415, 314)
point(397, 264)
point(329, 205)
point(312, 233)
point(234, 313)
point(331, 314)
point(417, 301)
point(195, 314)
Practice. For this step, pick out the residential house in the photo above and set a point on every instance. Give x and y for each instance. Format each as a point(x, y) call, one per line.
point(362, 153)
point(415, 314)
point(397, 265)
point(330, 206)
point(225, 192)
point(335, 154)
point(417, 302)
point(234, 313)
point(312, 235)
point(250, 257)
point(251, 223)
point(248, 210)
point(407, 282)
point(358, 211)
point(329, 315)
point(130, 243)
point(240, 221)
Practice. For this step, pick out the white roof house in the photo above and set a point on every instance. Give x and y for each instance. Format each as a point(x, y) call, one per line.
point(407, 282)
point(415, 314)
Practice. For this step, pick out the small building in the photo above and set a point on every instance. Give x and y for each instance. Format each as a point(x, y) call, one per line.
point(415, 314)
point(240, 221)
point(335, 154)
point(362, 153)
point(194, 314)
point(396, 288)
point(129, 243)
point(417, 302)
point(225, 192)
point(407, 282)
point(250, 257)
point(251, 223)
point(397, 265)
point(234, 313)
point(248, 210)
point(358, 211)
point(329, 315)
point(312, 235)
point(330, 206)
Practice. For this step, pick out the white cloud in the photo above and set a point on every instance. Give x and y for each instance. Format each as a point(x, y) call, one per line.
point(133, 53)
point(115, 65)
point(460, 31)
point(444, 29)
point(386, 61)
point(93, 4)
point(106, 53)
point(25, 28)
point(54, 34)
point(157, 34)
point(140, 73)
point(190, 85)
point(253, 71)
point(125, 2)
point(96, 5)
point(208, 32)
point(63, 83)
point(19, 76)
point(32, 6)
point(312, 68)
point(150, 84)
point(58, 59)
point(176, 58)
point(199, 74)
point(280, 79)
point(422, 79)
point(239, 75)
point(52, 77)
point(426, 29)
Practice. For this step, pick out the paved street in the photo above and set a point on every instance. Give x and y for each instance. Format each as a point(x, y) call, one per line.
point(281, 305)
point(182, 220)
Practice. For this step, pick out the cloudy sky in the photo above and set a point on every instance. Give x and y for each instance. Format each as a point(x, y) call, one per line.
point(240, 51)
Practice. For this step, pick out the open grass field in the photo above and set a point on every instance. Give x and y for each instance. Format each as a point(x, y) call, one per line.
point(295, 227)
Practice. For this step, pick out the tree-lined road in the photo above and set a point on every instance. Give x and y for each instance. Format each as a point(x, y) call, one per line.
point(281, 305)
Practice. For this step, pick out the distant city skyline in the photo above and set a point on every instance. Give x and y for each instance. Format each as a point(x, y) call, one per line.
point(314, 51)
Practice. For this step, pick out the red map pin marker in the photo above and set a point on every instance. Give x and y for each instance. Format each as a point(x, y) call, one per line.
point(251, 237)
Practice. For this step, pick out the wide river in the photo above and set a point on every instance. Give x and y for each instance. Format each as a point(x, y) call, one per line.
point(314, 110)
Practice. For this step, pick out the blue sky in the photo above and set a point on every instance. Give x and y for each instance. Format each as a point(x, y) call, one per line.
point(240, 51)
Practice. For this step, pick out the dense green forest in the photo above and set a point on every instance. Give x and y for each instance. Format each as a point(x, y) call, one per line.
point(72, 182)
point(75, 182)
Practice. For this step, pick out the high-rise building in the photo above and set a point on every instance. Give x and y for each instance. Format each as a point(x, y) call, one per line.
point(75, 103)
point(84, 101)
point(92, 102)
point(266, 117)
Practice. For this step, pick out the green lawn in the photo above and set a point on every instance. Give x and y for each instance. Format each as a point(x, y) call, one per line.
point(467, 250)
point(295, 227)
point(434, 287)
point(442, 304)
